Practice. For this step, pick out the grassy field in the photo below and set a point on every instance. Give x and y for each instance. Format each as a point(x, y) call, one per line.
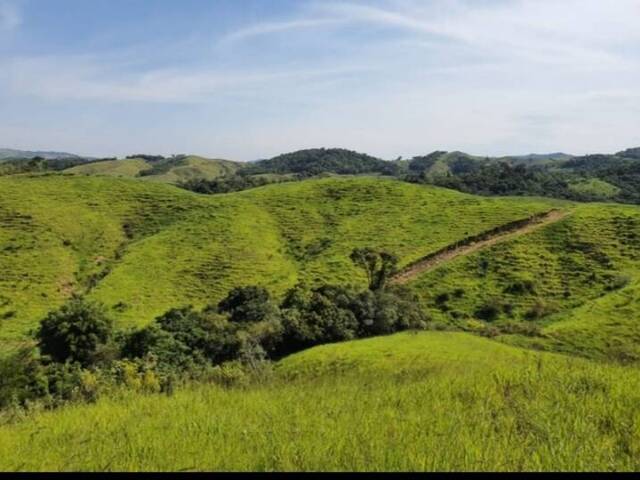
point(576, 279)
point(429, 401)
point(191, 167)
point(142, 247)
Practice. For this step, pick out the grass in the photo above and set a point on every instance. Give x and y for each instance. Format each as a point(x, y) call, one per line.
point(143, 247)
point(191, 167)
point(419, 402)
point(595, 188)
point(577, 280)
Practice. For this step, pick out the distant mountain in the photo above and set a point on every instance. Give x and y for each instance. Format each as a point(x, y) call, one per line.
point(8, 153)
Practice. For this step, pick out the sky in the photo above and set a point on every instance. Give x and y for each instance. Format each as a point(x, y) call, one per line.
point(250, 79)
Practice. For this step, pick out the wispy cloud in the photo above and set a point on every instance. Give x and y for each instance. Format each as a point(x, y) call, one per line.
point(89, 78)
point(10, 17)
point(267, 28)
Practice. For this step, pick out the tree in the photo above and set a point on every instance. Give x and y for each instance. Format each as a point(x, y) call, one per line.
point(75, 332)
point(248, 305)
point(379, 266)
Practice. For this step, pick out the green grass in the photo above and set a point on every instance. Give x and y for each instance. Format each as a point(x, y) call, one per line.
point(430, 401)
point(144, 247)
point(577, 271)
point(595, 188)
point(112, 168)
point(192, 167)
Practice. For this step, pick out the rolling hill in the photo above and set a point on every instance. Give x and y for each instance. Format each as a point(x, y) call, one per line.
point(144, 247)
point(411, 402)
point(8, 153)
point(177, 170)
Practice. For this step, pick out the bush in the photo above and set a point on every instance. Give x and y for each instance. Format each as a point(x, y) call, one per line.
point(247, 305)
point(185, 339)
point(75, 332)
point(22, 378)
point(490, 311)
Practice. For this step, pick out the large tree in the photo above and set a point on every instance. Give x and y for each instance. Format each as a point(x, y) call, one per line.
point(379, 266)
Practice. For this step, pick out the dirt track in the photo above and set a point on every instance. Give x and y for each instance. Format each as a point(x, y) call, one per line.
point(434, 261)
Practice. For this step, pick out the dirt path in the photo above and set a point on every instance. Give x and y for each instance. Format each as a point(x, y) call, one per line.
point(449, 253)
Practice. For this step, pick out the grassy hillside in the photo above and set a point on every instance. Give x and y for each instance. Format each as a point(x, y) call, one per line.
point(142, 247)
point(430, 401)
point(167, 171)
point(576, 279)
point(113, 168)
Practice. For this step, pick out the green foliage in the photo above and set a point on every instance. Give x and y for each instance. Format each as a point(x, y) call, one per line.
point(317, 161)
point(142, 248)
point(411, 402)
point(379, 266)
point(248, 305)
point(588, 178)
point(75, 332)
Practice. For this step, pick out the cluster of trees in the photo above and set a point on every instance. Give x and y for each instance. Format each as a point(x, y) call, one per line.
point(161, 165)
point(552, 178)
point(39, 164)
point(316, 161)
point(230, 183)
point(79, 354)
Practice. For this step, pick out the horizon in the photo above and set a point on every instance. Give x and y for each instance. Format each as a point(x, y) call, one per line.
point(388, 159)
point(386, 77)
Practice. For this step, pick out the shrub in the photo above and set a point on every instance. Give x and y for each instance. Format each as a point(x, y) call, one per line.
point(539, 310)
point(490, 311)
point(618, 282)
point(247, 305)
point(22, 378)
point(75, 332)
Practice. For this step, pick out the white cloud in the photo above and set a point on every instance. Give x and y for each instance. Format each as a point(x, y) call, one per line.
point(267, 28)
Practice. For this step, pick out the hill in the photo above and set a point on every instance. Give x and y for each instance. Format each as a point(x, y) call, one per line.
point(166, 170)
point(411, 402)
point(7, 153)
point(321, 160)
point(586, 178)
point(144, 247)
point(568, 286)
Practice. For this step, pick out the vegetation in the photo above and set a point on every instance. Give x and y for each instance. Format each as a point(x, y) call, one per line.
point(589, 178)
point(320, 160)
point(143, 248)
point(175, 170)
point(429, 401)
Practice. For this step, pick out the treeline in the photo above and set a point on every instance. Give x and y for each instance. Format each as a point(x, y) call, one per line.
point(556, 178)
point(79, 355)
point(232, 183)
point(312, 162)
point(39, 164)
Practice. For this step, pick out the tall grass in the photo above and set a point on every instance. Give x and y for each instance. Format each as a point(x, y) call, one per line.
point(433, 401)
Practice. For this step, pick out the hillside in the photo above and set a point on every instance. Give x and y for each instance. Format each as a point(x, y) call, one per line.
point(411, 402)
point(142, 247)
point(173, 171)
point(321, 160)
point(574, 280)
point(586, 178)
point(8, 153)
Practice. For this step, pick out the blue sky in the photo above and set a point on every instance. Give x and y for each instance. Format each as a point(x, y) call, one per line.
point(248, 79)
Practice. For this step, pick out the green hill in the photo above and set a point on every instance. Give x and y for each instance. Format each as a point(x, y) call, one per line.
point(143, 247)
point(411, 402)
point(577, 275)
point(171, 170)
point(322, 160)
